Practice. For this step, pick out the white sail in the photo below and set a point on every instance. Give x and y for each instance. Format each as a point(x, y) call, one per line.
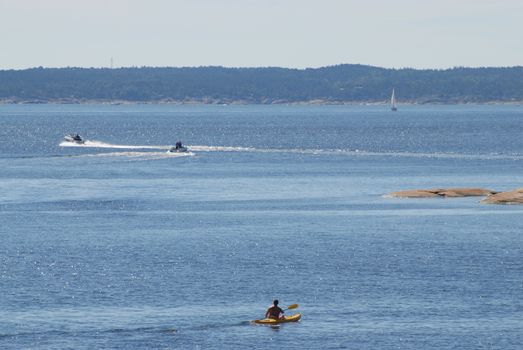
point(393, 102)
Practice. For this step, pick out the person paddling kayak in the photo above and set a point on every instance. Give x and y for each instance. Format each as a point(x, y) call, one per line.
point(274, 315)
point(274, 312)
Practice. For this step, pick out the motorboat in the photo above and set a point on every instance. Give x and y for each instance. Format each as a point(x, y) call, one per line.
point(177, 148)
point(74, 138)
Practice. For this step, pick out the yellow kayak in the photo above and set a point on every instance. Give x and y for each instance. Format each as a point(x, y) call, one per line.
point(292, 318)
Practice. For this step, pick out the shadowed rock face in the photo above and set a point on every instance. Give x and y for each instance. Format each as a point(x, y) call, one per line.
point(509, 197)
point(442, 192)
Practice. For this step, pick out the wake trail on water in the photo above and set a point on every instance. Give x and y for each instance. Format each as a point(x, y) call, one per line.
point(130, 154)
point(100, 144)
point(304, 151)
point(355, 152)
point(139, 155)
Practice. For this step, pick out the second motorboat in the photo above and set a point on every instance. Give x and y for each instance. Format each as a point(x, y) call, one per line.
point(178, 148)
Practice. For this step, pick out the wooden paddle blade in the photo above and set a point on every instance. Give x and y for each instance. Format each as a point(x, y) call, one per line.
point(293, 306)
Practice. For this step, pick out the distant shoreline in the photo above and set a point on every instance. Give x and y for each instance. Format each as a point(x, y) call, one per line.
point(317, 102)
point(333, 85)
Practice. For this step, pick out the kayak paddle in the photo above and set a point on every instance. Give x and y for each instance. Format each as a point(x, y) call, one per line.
point(293, 306)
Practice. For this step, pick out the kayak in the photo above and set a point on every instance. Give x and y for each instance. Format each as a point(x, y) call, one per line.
point(292, 318)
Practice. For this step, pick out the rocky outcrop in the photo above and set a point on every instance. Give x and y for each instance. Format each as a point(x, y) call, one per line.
point(509, 197)
point(443, 192)
point(466, 192)
point(415, 194)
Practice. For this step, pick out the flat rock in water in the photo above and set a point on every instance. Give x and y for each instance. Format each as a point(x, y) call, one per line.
point(509, 197)
point(415, 194)
point(443, 192)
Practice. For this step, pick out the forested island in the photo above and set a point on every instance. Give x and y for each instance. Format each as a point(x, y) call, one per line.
point(329, 85)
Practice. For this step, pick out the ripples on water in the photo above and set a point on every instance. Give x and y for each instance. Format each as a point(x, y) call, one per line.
point(119, 244)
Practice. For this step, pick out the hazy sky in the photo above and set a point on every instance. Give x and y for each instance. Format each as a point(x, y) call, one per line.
point(288, 33)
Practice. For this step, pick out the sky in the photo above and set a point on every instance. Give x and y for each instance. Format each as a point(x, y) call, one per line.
point(261, 33)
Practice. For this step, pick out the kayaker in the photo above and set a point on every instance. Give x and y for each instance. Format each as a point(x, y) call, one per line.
point(274, 312)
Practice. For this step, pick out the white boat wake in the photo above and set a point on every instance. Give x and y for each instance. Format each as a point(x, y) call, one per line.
point(136, 155)
point(99, 144)
point(223, 149)
point(356, 152)
point(346, 152)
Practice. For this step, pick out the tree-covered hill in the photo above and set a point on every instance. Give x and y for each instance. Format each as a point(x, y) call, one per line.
point(334, 84)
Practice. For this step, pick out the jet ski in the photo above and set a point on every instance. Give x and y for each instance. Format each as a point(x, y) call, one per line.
point(177, 148)
point(74, 138)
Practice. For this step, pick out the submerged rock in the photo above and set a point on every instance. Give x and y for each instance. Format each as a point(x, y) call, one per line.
point(443, 192)
point(509, 197)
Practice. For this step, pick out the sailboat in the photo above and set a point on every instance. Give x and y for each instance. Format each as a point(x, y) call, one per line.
point(393, 106)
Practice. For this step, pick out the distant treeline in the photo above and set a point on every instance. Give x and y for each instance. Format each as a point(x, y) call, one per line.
point(335, 84)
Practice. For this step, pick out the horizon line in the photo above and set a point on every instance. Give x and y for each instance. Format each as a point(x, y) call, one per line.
point(257, 67)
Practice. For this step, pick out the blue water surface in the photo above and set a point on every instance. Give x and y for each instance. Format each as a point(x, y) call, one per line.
point(118, 244)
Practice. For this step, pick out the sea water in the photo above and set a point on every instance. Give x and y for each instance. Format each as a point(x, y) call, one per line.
point(118, 244)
